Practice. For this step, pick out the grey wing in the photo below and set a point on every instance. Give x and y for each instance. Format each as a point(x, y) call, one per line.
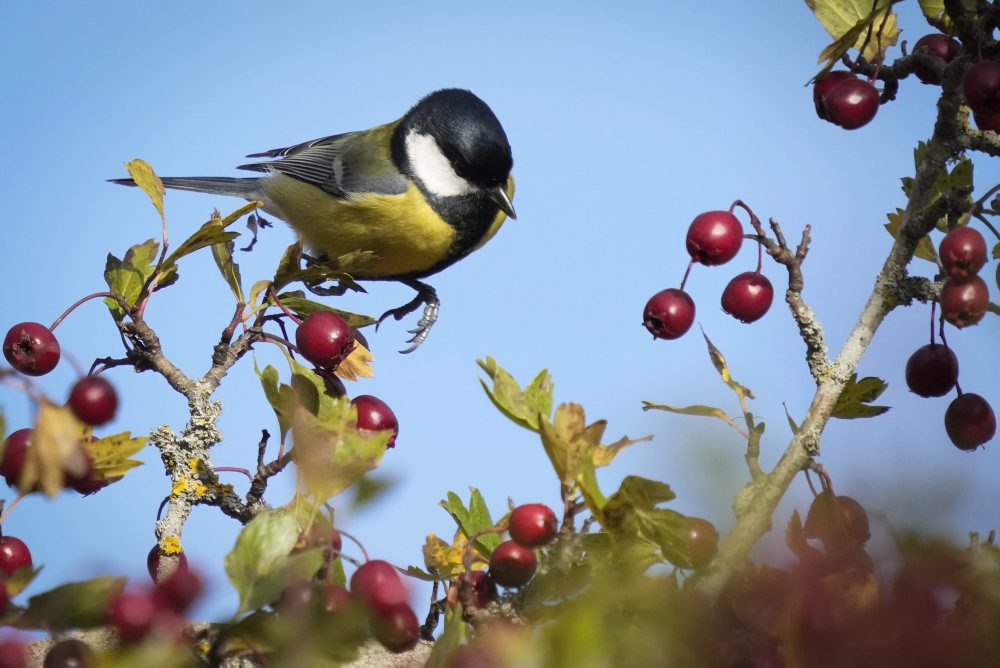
point(341, 165)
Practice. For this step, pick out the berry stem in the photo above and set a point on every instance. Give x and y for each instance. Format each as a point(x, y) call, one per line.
point(933, 309)
point(687, 272)
point(760, 254)
point(58, 320)
point(10, 507)
point(234, 469)
point(274, 296)
point(357, 542)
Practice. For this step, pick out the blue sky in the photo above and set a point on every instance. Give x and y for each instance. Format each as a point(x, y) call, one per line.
point(625, 122)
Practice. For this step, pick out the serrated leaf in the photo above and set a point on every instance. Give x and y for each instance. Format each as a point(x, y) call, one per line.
point(848, 22)
point(605, 454)
point(856, 396)
point(290, 268)
point(144, 176)
point(357, 364)
point(280, 396)
point(925, 247)
point(222, 253)
point(696, 409)
point(631, 515)
point(112, 454)
point(719, 362)
point(303, 308)
point(128, 275)
point(442, 559)
point(521, 407)
point(210, 233)
point(71, 606)
point(473, 519)
point(259, 563)
point(567, 442)
point(55, 449)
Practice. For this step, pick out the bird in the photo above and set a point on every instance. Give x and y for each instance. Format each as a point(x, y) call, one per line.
point(421, 193)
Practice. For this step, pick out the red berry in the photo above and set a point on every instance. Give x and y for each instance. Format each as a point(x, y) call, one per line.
point(839, 521)
point(4, 598)
point(964, 301)
point(987, 121)
point(31, 348)
point(377, 585)
point(702, 540)
point(69, 653)
point(932, 370)
point(482, 590)
point(668, 314)
point(748, 296)
point(13, 654)
point(512, 564)
point(939, 45)
point(14, 555)
point(982, 87)
point(970, 421)
point(397, 628)
point(325, 339)
point(532, 525)
point(824, 83)
point(153, 561)
point(375, 415)
point(714, 237)
point(14, 451)
point(850, 103)
point(178, 591)
point(93, 400)
point(962, 252)
point(132, 613)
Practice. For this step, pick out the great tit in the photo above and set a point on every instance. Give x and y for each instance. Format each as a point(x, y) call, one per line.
point(421, 192)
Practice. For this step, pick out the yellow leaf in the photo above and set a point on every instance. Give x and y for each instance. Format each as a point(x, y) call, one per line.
point(111, 454)
point(856, 24)
point(719, 362)
point(55, 449)
point(925, 247)
point(442, 559)
point(145, 178)
point(358, 363)
point(604, 454)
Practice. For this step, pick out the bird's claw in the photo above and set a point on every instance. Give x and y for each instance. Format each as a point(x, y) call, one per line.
point(426, 296)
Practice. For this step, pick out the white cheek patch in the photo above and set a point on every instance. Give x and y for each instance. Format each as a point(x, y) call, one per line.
point(431, 166)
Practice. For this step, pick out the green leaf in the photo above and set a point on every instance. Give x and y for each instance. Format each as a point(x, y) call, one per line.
point(925, 247)
point(521, 407)
point(278, 395)
point(455, 631)
point(302, 307)
point(259, 563)
point(127, 276)
point(568, 443)
point(71, 606)
point(996, 252)
point(935, 14)
point(848, 22)
point(473, 519)
point(856, 396)
point(211, 233)
point(290, 268)
point(631, 515)
point(148, 181)
point(222, 253)
point(20, 579)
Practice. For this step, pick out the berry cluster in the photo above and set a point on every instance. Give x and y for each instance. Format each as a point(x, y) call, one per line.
point(932, 370)
point(326, 340)
point(159, 609)
point(714, 238)
point(513, 562)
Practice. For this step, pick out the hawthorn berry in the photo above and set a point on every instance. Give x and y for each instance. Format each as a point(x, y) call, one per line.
point(15, 449)
point(132, 613)
point(532, 524)
point(932, 370)
point(850, 103)
point(396, 628)
point(942, 46)
point(824, 83)
point(31, 348)
point(336, 597)
point(962, 252)
point(987, 121)
point(481, 590)
point(178, 591)
point(325, 339)
point(748, 296)
point(981, 87)
point(377, 585)
point(153, 561)
point(970, 421)
point(512, 564)
point(14, 555)
point(375, 415)
point(964, 301)
point(839, 521)
point(69, 653)
point(668, 314)
point(714, 237)
point(702, 540)
point(93, 400)
point(13, 654)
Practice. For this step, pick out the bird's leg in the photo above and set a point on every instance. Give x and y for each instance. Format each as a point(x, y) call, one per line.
point(316, 287)
point(426, 296)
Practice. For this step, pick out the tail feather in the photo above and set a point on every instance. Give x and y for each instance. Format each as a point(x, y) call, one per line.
point(247, 188)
